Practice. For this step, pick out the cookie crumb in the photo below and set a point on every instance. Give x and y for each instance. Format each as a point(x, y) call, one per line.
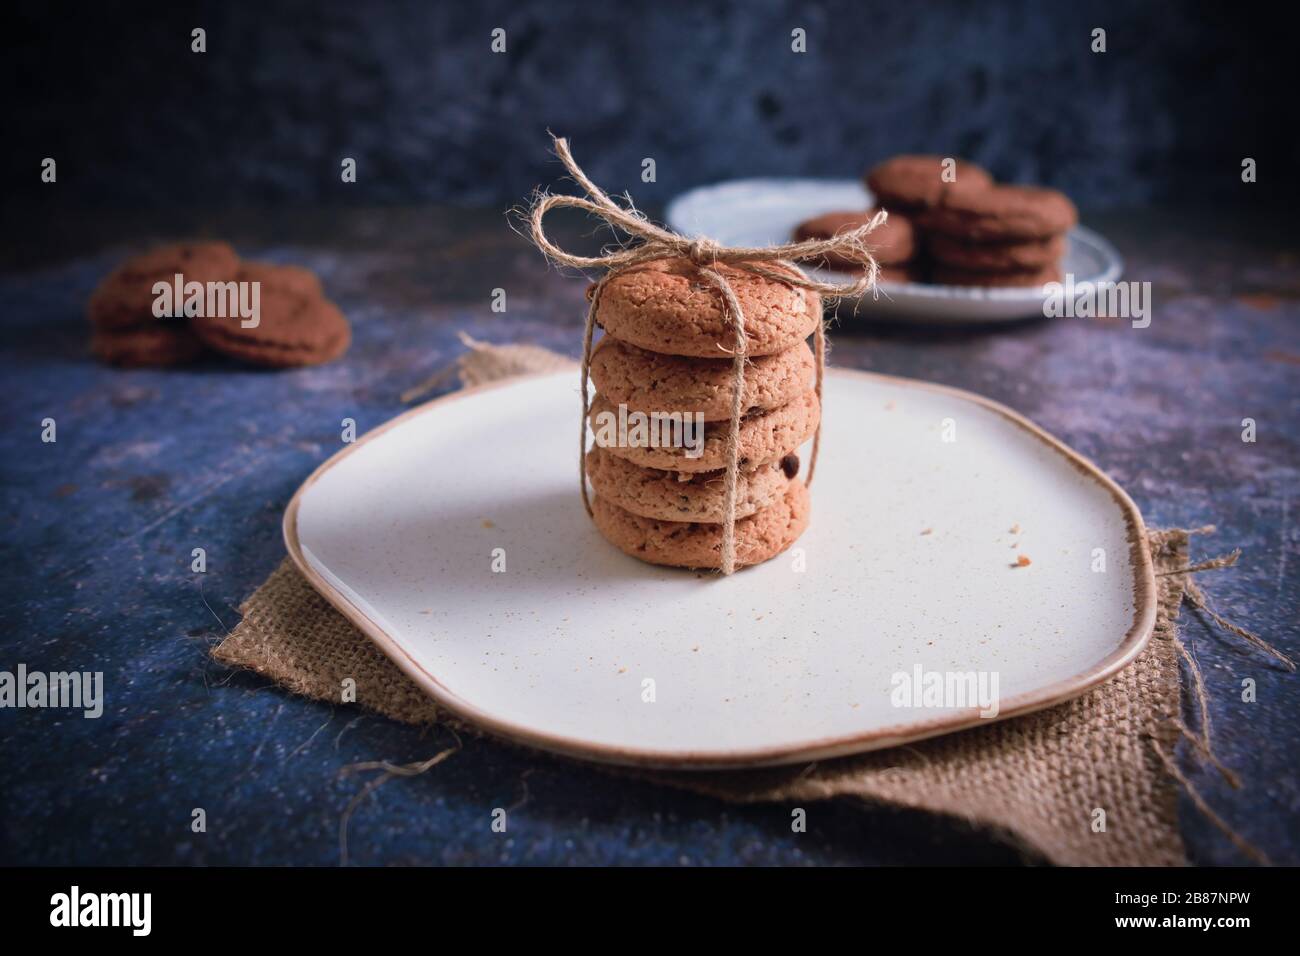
point(1022, 561)
point(487, 523)
point(1015, 528)
point(927, 531)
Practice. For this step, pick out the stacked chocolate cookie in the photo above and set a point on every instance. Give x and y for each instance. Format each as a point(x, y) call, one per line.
point(293, 325)
point(1000, 236)
point(666, 355)
point(893, 244)
point(950, 223)
point(974, 231)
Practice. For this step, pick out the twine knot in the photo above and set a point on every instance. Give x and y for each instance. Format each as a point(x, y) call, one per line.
point(705, 254)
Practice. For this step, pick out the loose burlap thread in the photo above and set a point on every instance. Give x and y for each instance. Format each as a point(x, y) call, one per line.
point(657, 243)
point(1034, 781)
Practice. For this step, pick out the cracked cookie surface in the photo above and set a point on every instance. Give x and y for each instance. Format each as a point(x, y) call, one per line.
point(667, 306)
point(653, 493)
point(689, 544)
point(650, 382)
point(764, 437)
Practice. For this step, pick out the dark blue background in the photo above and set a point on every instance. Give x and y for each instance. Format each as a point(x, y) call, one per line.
point(711, 91)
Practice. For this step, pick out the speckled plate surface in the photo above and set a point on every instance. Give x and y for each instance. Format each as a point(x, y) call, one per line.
point(911, 562)
point(759, 212)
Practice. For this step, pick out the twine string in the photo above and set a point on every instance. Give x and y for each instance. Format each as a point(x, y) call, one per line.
point(1193, 593)
point(706, 255)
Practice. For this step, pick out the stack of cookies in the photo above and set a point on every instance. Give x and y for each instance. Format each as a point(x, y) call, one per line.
point(295, 324)
point(974, 231)
point(950, 223)
point(666, 351)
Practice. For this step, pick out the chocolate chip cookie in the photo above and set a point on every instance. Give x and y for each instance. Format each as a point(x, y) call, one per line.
point(671, 496)
point(764, 437)
point(649, 382)
point(689, 544)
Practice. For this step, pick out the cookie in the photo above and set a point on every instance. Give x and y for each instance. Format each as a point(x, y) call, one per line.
point(996, 256)
point(688, 544)
point(125, 298)
point(908, 272)
point(289, 277)
point(892, 243)
point(293, 329)
point(946, 275)
point(764, 437)
point(666, 306)
point(161, 343)
point(911, 183)
point(649, 382)
point(652, 493)
point(1001, 214)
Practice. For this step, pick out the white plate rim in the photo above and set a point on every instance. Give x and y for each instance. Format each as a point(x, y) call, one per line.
point(1134, 640)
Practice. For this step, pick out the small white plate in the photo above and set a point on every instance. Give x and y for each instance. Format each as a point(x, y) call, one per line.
point(908, 563)
point(762, 212)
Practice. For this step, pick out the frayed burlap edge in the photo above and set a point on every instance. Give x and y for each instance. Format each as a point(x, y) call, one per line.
point(1038, 781)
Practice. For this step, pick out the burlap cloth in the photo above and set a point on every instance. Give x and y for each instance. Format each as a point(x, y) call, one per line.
point(1035, 781)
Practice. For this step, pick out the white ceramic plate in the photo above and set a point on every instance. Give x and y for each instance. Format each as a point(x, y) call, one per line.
point(771, 665)
point(761, 212)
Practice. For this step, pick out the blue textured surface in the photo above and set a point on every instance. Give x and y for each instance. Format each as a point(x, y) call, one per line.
point(712, 91)
point(148, 465)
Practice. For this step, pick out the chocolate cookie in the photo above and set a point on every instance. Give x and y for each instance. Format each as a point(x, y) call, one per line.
point(892, 243)
point(764, 437)
point(996, 256)
point(912, 183)
point(1001, 214)
point(687, 544)
point(125, 298)
point(946, 275)
point(159, 344)
point(652, 493)
point(649, 382)
point(293, 329)
point(666, 306)
point(288, 277)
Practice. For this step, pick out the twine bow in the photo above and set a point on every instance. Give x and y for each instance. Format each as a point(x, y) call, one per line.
point(706, 255)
